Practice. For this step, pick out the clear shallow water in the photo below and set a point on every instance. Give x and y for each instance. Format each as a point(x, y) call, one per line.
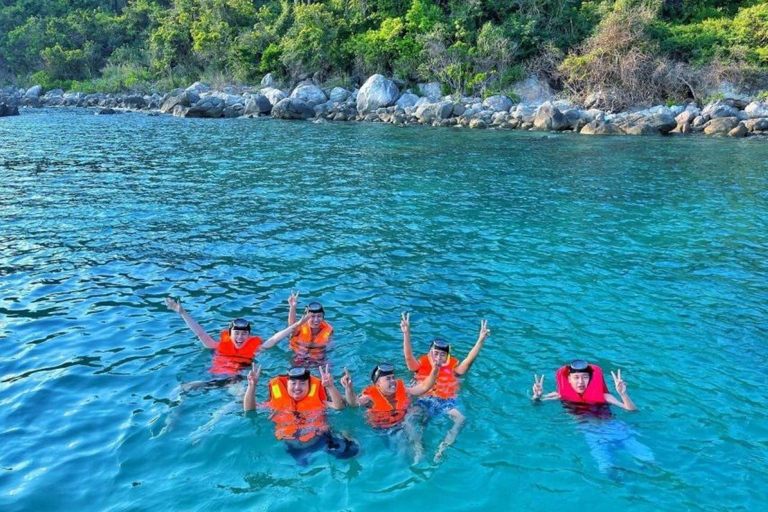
point(646, 254)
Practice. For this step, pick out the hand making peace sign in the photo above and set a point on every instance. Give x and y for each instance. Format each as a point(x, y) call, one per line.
point(254, 374)
point(405, 322)
point(293, 299)
point(325, 377)
point(484, 330)
point(346, 380)
point(538, 386)
point(621, 386)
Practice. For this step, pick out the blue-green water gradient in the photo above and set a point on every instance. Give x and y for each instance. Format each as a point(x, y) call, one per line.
point(644, 254)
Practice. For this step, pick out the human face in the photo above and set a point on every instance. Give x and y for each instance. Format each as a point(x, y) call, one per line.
point(238, 337)
point(315, 319)
point(579, 381)
point(386, 385)
point(438, 357)
point(298, 389)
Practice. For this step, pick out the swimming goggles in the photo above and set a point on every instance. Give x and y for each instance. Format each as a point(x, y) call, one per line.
point(382, 370)
point(240, 324)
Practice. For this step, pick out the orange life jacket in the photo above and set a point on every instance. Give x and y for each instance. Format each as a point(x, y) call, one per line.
point(300, 420)
point(447, 384)
point(230, 359)
point(301, 340)
point(382, 414)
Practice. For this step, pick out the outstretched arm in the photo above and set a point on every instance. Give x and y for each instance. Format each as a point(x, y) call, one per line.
point(336, 402)
point(405, 326)
point(271, 342)
point(467, 362)
point(249, 401)
point(203, 336)
point(425, 385)
point(621, 388)
point(292, 301)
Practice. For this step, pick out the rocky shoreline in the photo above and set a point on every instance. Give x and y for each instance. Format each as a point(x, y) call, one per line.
point(380, 99)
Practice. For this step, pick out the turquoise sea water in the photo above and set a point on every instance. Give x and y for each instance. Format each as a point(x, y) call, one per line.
point(649, 255)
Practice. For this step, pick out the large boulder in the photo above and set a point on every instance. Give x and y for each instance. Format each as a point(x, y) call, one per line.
point(740, 131)
point(664, 122)
point(8, 110)
point(208, 107)
point(274, 96)
point(269, 81)
point(641, 129)
point(757, 124)
point(498, 103)
point(434, 111)
point(549, 118)
point(756, 109)
point(338, 94)
point(432, 90)
point(375, 93)
point(407, 100)
point(236, 110)
point(257, 104)
point(601, 128)
point(686, 116)
point(199, 87)
point(532, 90)
point(185, 99)
point(292, 108)
point(719, 109)
point(310, 94)
point(134, 101)
point(34, 91)
point(721, 125)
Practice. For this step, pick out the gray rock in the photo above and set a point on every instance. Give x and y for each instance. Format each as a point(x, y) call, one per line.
point(549, 118)
point(198, 87)
point(721, 125)
point(432, 90)
point(682, 128)
point(719, 109)
point(407, 100)
point(134, 101)
point(34, 91)
point(740, 131)
point(230, 100)
point(684, 117)
point(269, 81)
point(257, 104)
point(54, 93)
point(211, 107)
point(185, 99)
point(532, 90)
point(235, 110)
point(641, 129)
point(8, 110)
point(292, 108)
point(107, 112)
point(376, 92)
point(458, 110)
point(478, 124)
point(434, 111)
point(757, 124)
point(601, 128)
point(498, 103)
point(180, 111)
point(310, 94)
point(273, 95)
point(756, 109)
point(663, 122)
point(699, 122)
point(339, 94)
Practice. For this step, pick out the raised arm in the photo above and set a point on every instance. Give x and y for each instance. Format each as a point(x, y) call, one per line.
point(425, 385)
point(538, 390)
point(467, 362)
point(621, 388)
point(336, 401)
point(203, 336)
point(249, 401)
point(271, 342)
point(292, 301)
point(405, 326)
point(349, 391)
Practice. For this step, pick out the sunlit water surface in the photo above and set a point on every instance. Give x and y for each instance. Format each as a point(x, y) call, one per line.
point(644, 254)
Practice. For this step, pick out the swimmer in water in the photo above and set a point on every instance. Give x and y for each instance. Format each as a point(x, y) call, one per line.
point(298, 403)
point(581, 382)
point(443, 397)
point(310, 341)
point(388, 400)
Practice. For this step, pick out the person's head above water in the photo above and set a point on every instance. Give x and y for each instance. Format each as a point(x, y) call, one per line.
point(383, 378)
point(239, 331)
point(316, 314)
point(579, 375)
point(439, 351)
point(298, 382)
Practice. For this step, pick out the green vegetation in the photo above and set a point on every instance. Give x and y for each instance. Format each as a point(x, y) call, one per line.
point(645, 49)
